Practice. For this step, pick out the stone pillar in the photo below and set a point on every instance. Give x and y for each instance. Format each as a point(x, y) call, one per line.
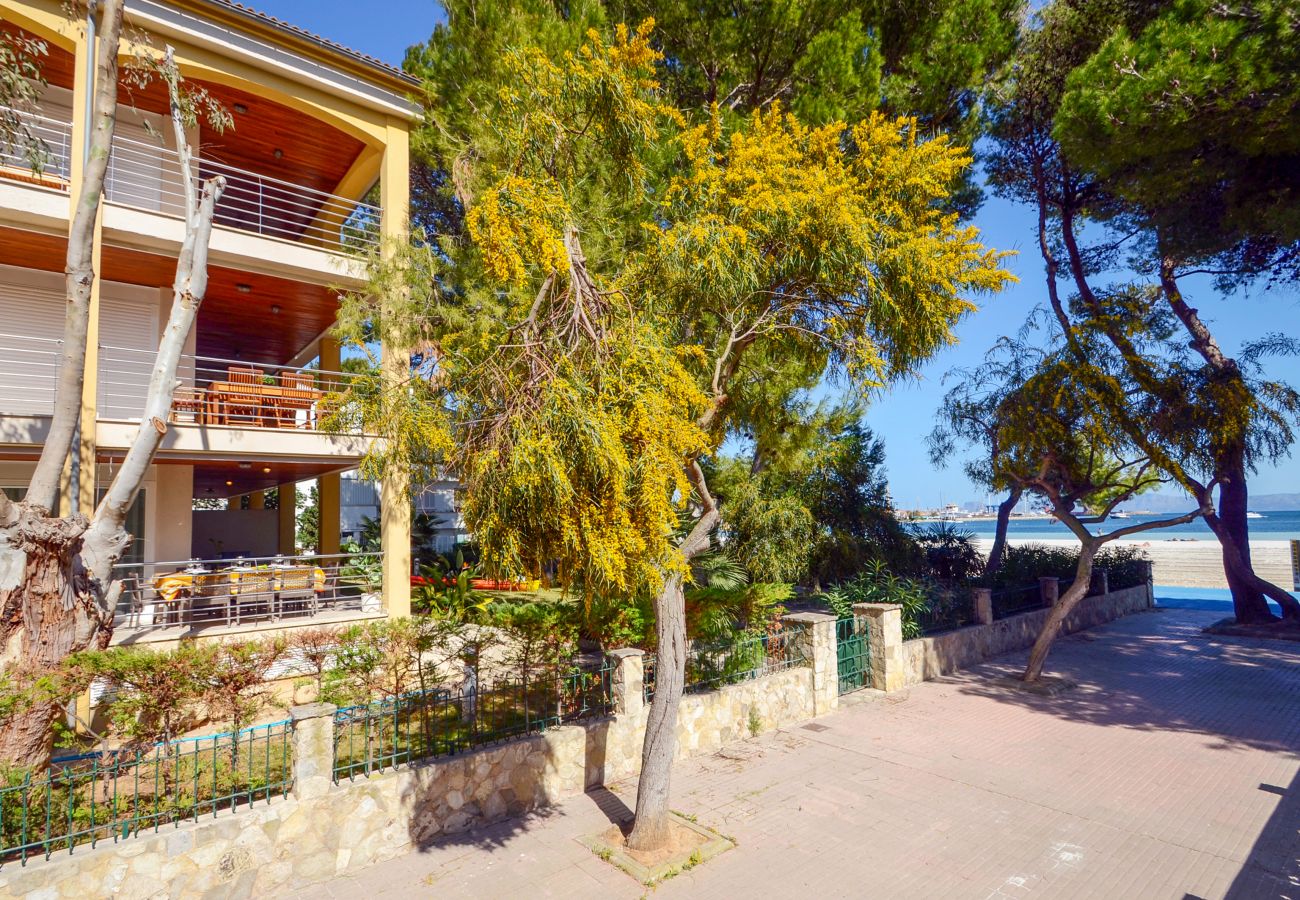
point(982, 599)
point(1103, 581)
point(288, 519)
point(1149, 581)
point(628, 687)
point(313, 749)
point(1049, 590)
point(885, 638)
point(817, 639)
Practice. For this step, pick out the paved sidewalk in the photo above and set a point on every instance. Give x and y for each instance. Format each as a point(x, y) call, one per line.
point(1173, 771)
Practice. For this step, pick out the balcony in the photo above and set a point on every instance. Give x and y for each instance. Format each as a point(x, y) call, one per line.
point(213, 392)
point(169, 600)
point(46, 160)
point(145, 175)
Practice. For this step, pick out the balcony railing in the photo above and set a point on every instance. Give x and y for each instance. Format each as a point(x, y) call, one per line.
point(216, 391)
point(212, 391)
point(195, 595)
point(41, 152)
point(146, 175)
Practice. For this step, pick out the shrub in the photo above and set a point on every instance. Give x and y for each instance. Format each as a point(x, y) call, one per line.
point(951, 555)
point(876, 584)
point(1024, 564)
point(1125, 566)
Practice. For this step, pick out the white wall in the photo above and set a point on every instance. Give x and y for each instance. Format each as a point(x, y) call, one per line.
point(250, 532)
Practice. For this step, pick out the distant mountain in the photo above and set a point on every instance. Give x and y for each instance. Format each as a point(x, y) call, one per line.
point(1172, 503)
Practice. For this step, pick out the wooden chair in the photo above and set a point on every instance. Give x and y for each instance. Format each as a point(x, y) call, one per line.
point(190, 401)
point(244, 406)
point(297, 392)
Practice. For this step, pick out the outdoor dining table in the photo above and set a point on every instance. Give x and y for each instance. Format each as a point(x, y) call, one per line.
point(235, 581)
point(224, 394)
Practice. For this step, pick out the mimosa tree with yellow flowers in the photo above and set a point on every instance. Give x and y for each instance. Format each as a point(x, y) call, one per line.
point(579, 355)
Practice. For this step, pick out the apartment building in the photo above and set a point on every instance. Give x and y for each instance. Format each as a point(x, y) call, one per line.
point(317, 172)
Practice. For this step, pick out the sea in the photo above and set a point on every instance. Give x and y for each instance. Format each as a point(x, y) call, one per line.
point(1271, 526)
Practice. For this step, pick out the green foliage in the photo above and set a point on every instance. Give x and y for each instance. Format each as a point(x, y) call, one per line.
point(1026, 563)
point(1188, 113)
point(876, 584)
point(21, 59)
point(951, 555)
point(307, 522)
point(155, 695)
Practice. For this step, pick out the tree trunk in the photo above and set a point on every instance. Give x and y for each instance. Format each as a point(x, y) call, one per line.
point(79, 272)
point(651, 830)
point(1064, 605)
point(1000, 533)
point(54, 611)
point(1232, 529)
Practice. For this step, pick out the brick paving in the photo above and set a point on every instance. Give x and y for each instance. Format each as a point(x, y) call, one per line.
point(1172, 771)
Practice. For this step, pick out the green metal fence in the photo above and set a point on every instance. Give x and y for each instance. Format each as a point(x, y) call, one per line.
point(421, 725)
point(852, 654)
point(744, 658)
point(1013, 601)
point(118, 795)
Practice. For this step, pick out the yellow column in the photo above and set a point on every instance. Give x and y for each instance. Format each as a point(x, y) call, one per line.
point(395, 491)
point(257, 500)
point(85, 449)
point(328, 485)
point(232, 503)
point(328, 508)
point(288, 500)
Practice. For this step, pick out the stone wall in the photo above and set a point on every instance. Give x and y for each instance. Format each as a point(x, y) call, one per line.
point(929, 657)
point(324, 829)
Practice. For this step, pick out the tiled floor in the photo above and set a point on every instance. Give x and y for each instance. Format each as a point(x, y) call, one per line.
point(1173, 771)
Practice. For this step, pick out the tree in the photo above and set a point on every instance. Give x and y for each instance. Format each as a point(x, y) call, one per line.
point(582, 407)
point(1055, 437)
point(971, 416)
point(1223, 414)
point(59, 593)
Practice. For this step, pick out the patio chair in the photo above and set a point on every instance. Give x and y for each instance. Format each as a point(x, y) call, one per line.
point(297, 392)
point(298, 587)
point(244, 405)
point(188, 401)
point(253, 588)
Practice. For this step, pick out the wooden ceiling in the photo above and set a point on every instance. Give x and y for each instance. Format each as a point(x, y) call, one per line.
point(57, 65)
point(210, 477)
point(233, 324)
point(313, 153)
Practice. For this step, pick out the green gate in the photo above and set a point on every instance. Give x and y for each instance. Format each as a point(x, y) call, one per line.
point(853, 654)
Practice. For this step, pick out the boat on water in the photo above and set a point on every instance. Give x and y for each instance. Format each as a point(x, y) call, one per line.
point(1254, 515)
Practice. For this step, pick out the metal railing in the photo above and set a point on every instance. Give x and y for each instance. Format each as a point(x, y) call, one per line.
point(212, 391)
point(444, 721)
point(193, 595)
point(744, 658)
point(1013, 601)
point(41, 152)
point(147, 175)
point(215, 391)
point(116, 795)
point(946, 610)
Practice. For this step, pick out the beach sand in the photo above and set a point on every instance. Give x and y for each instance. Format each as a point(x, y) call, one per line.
point(1195, 563)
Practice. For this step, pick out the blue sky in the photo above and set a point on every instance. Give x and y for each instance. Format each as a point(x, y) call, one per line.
point(904, 415)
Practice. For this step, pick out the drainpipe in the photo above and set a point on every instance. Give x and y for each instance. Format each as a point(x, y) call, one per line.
point(74, 478)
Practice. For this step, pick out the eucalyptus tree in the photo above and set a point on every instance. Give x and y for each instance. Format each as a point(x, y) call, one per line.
point(1091, 127)
point(577, 394)
point(57, 587)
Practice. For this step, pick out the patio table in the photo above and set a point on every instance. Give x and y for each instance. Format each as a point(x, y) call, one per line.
point(223, 394)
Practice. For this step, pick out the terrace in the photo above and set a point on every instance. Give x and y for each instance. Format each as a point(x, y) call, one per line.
point(188, 598)
point(145, 175)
